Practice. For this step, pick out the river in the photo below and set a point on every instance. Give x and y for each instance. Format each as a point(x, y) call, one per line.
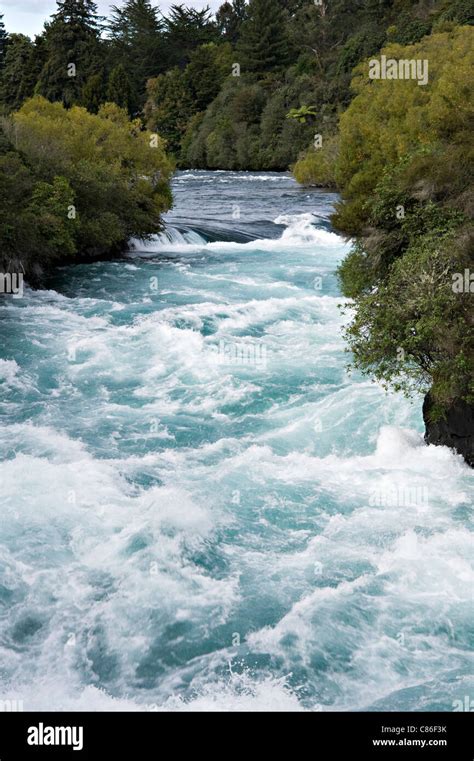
point(201, 507)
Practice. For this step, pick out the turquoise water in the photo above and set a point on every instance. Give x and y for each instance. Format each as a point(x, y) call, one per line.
point(201, 508)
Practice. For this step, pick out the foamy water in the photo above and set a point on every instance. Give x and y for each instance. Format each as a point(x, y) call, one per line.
point(201, 508)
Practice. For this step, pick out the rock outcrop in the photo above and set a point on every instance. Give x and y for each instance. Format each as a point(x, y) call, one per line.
point(455, 429)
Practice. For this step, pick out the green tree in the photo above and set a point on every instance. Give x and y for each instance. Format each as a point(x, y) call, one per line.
point(209, 65)
point(74, 51)
point(119, 88)
point(229, 19)
point(264, 44)
point(19, 72)
point(404, 167)
point(118, 173)
point(3, 41)
point(92, 94)
point(34, 225)
point(460, 11)
point(185, 30)
point(316, 166)
point(169, 107)
point(138, 45)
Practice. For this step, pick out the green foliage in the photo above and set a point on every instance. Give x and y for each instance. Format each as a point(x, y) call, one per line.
point(302, 114)
point(169, 107)
point(391, 118)
point(49, 202)
point(34, 226)
point(459, 11)
point(208, 67)
point(264, 45)
point(281, 138)
point(412, 331)
point(246, 126)
point(319, 45)
point(172, 68)
point(73, 54)
point(177, 95)
point(408, 30)
point(359, 46)
point(185, 30)
point(119, 88)
point(3, 41)
point(404, 167)
point(138, 47)
point(113, 173)
point(92, 93)
point(21, 68)
point(316, 166)
point(229, 20)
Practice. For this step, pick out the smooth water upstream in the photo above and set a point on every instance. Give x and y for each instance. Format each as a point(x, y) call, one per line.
point(200, 507)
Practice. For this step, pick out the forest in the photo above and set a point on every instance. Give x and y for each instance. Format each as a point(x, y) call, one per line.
point(244, 89)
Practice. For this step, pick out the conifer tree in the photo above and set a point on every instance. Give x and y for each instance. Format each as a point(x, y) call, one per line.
point(74, 52)
point(186, 29)
point(137, 44)
point(3, 41)
point(20, 70)
point(229, 18)
point(264, 44)
point(119, 88)
point(93, 94)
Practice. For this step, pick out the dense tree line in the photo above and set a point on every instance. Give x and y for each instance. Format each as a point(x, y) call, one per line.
point(224, 91)
point(289, 77)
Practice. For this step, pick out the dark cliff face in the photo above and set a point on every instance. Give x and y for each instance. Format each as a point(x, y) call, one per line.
point(455, 430)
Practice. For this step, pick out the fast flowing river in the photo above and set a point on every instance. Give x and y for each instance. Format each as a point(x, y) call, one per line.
point(200, 507)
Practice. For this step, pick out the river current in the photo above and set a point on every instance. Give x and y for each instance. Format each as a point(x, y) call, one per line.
point(201, 508)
